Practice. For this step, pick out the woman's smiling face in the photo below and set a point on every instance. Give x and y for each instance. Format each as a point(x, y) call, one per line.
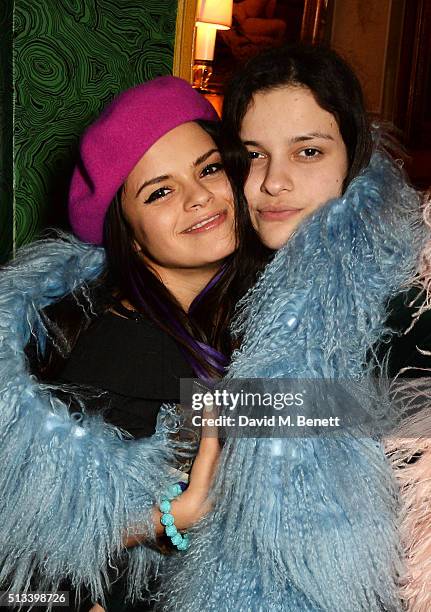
point(179, 203)
point(298, 160)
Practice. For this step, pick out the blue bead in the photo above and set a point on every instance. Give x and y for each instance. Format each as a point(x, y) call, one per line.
point(165, 506)
point(183, 545)
point(173, 491)
point(167, 519)
point(177, 539)
point(183, 485)
point(177, 488)
point(171, 530)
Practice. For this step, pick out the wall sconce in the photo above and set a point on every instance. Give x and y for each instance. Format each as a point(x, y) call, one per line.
point(212, 15)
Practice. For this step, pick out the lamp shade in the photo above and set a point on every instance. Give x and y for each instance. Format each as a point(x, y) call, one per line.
point(205, 42)
point(215, 13)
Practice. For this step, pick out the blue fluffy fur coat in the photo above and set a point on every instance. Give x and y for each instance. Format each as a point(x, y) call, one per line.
point(310, 524)
point(69, 488)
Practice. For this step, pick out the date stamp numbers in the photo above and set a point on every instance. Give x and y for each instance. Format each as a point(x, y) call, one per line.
point(34, 598)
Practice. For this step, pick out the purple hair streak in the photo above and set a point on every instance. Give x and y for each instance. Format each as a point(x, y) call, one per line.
point(148, 301)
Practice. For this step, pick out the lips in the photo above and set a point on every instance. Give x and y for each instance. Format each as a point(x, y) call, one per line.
point(207, 223)
point(278, 214)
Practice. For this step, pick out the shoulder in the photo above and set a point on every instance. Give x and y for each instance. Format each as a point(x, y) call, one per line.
point(59, 325)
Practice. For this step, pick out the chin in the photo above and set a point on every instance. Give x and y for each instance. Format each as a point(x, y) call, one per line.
point(217, 259)
point(276, 241)
point(222, 251)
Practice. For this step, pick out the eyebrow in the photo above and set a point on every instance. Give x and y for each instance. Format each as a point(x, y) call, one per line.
point(153, 181)
point(295, 139)
point(204, 157)
point(164, 177)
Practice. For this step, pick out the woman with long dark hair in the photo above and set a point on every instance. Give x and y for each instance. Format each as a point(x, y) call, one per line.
point(309, 522)
point(96, 334)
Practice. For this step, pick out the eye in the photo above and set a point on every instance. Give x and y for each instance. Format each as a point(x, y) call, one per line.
point(212, 169)
point(160, 193)
point(255, 155)
point(309, 153)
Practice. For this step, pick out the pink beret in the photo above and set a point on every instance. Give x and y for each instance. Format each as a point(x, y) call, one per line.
point(112, 146)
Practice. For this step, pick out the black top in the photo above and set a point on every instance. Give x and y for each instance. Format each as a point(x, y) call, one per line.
point(403, 349)
point(135, 362)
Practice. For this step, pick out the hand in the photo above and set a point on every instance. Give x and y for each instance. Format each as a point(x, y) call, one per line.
point(193, 504)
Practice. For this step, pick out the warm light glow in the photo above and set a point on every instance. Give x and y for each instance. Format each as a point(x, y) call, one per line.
point(216, 13)
point(205, 42)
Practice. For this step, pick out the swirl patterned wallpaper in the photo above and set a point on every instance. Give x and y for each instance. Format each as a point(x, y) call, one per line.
point(6, 175)
point(70, 58)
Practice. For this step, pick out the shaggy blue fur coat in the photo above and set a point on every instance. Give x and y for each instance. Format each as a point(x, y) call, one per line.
point(308, 524)
point(300, 524)
point(70, 488)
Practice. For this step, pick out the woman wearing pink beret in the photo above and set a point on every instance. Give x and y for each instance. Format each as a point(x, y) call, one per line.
point(96, 332)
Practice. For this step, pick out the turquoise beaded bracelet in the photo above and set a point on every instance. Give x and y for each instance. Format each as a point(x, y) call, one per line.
point(167, 519)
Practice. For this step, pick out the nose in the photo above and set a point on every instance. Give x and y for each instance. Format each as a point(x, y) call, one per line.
point(277, 178)
point(197, 196)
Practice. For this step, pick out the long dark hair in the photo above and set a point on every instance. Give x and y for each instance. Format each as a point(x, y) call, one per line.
point(202, 333)
point(335, 88)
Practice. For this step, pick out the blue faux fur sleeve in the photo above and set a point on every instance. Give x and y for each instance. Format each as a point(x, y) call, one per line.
point(69, 489)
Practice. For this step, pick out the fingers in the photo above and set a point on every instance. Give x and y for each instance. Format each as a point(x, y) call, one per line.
point(209, 425)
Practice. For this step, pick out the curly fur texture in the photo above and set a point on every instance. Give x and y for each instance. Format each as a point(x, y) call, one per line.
point(310, 524)
point(409, 449)
point(69, 489)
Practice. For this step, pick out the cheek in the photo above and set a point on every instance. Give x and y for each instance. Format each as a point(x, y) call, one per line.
point(341, 171)
point(252, 192)
point(252, 186)
point(154, 228)
point(223, 191)
point(325, 184)
point(253, 214)
point(335, 186)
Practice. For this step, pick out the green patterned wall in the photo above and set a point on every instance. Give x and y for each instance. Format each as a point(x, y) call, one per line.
point(6, 175)
point(70, 58)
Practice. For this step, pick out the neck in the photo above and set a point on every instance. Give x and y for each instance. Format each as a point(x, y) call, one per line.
point(185, 284)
